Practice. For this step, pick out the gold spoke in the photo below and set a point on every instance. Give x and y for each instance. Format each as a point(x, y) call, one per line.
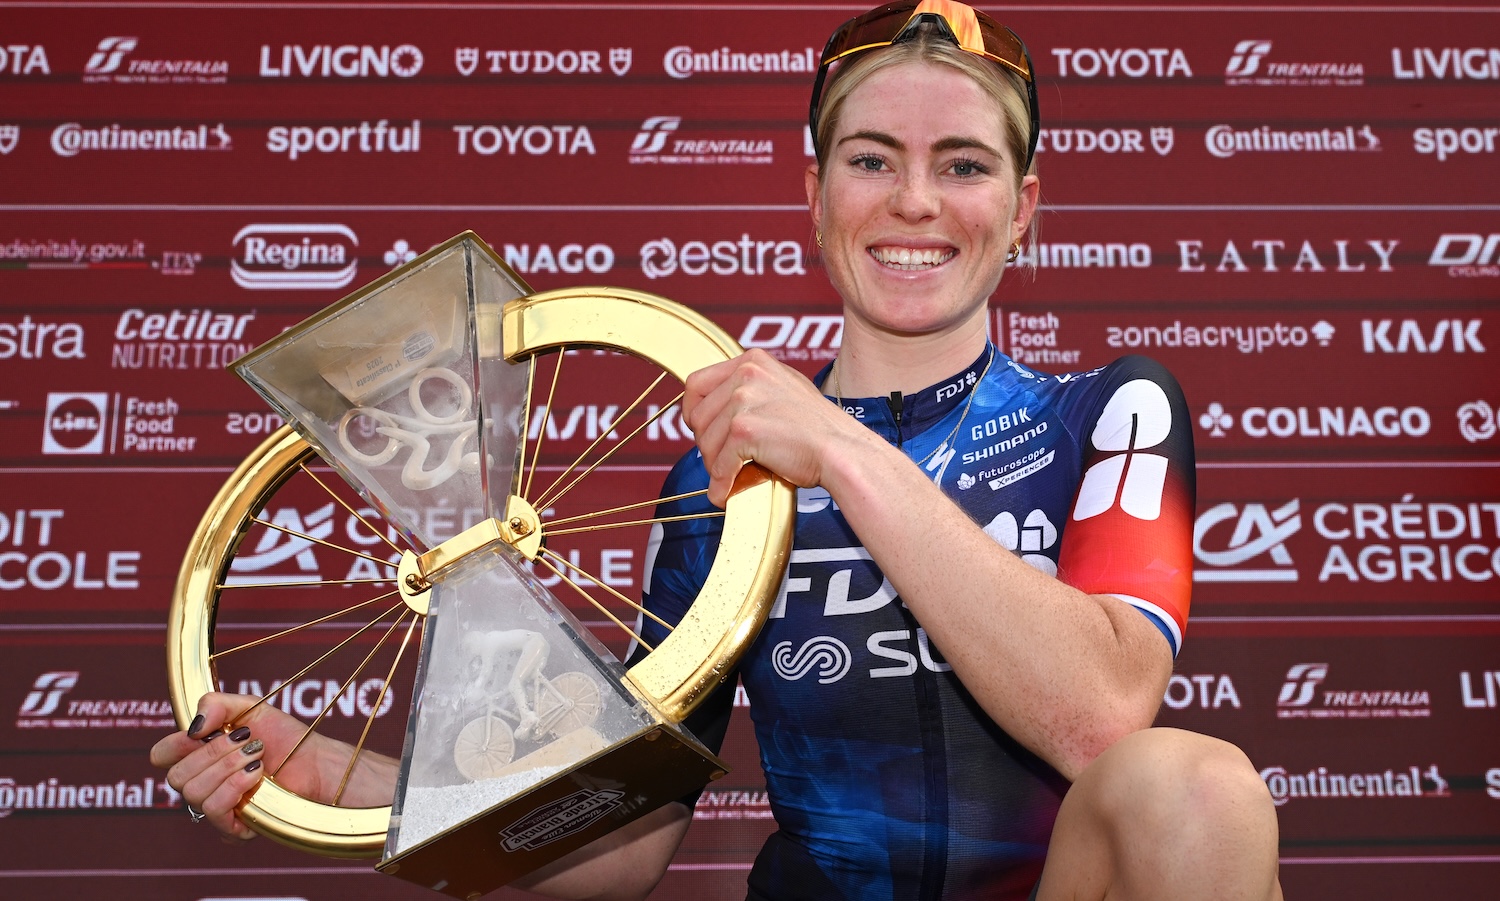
point(635, 522)
point(609, 453)
point(328, 544)
point(365, 522)
point(342, 688)
point(329, 653)
point(588, 597)
point(623, 598)
point(226, 586)
point(515, 481)
point(635, 506)
point(536, 452)
point(285, 632)
point(370, 720)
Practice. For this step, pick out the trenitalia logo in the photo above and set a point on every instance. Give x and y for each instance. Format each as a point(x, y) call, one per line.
point(109, 55)
point(1249, 65)
point(1224, 141)
point(342, 61)
point(289, 257)
point(684, 62)
point(108, 64)
point(47, 692)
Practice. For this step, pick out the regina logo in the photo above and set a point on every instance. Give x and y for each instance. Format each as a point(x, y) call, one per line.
point(294, 257)
point(75, 423)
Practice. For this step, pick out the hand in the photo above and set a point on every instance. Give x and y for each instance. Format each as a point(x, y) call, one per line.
point(755, 408)
point(216, 771)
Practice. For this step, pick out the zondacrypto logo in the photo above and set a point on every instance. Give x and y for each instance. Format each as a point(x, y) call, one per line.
point(1410, 782)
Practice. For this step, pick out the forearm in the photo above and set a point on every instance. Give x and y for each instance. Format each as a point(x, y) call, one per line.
point(625, 864)
point(1064, 672)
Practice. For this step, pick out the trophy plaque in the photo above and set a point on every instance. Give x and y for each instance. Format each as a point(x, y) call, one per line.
point(526, 737)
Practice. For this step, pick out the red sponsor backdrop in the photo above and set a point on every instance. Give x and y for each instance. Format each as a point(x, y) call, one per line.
point(1294, 209)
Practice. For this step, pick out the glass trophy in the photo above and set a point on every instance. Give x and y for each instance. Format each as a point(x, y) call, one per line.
point(526, 738)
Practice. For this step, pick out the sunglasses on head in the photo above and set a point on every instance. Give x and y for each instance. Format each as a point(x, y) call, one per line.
point(969, 28)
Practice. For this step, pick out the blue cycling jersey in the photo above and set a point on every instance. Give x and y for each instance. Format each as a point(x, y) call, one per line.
point(886, 779)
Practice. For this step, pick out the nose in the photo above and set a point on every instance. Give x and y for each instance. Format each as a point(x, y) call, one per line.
point(915, 197)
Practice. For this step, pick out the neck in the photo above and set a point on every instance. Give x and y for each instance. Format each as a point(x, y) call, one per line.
point(875, 368)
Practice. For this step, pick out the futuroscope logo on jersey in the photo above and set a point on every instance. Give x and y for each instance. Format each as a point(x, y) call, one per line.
point(746, 256)
point(287, 256)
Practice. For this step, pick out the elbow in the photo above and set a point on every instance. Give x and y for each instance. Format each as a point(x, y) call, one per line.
point(1103, 726)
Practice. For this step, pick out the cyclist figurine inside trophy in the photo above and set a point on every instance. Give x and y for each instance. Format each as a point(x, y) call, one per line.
point(526, 737)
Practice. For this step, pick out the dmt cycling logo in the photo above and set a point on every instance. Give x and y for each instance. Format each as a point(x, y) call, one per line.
point(109, 63)
point(1136, 418)
point(341, 61)
point(1258, 533)
point(540, 62)
point(747, 256)
point(1468, 255)
point(285, 257)
point(75, 423)
point(47, 693)
point(807, 337)
point(1251, 63)
point(1302, 697)
point(1477, 421)
point(826, 654)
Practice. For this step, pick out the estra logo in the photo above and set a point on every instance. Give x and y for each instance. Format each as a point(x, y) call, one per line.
point(285, 257)
point(747, 256)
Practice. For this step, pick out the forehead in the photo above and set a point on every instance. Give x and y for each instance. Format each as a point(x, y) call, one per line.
point(919, 102)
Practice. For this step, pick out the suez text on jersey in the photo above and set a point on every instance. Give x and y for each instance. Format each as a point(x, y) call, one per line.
point(29, 560)
point(1274, 255)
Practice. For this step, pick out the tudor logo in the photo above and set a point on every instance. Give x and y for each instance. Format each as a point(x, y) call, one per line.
point(286, 257)
point(466, 59)
point(1162, 137)
point(9, 135)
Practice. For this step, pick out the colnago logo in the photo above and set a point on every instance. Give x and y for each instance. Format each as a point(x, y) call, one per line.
point(1271, 255)
point(1302, 697)
point(747, 256)
point(1320, 783)
point(650, 146)
point(1392, 336)
point(75, 423)
point(540, 62)
point(71, 138)
point(1246, 339)
point(47, 693)
point(806, 337)
point(30, 339)
point(1410, 541)
point(1251, 63)
point(1477, 421)
point(572, 259)
point(1320, 422)
point(109, 63)
point(48, 706)
point(299, 256)
point(685, 62)
point(531, 140)
point(1224, 141)
point(1468, 255)
point(1258, 534)
point(382, 137)
point(1104, 140)
point(1122, 62)
point(53, 794)
point(1446, 142)
point(1209, 691)
point(1136, 418)
point(1093, 255)
point(24, 59)
point(340, 61)
point(1422, 63)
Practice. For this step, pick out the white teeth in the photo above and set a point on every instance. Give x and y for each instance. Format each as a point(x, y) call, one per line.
point(908, 259)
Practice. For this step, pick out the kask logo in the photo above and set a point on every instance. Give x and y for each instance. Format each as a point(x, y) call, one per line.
point(1301, 685)
point(1257, 532)
point(829, 656)
point(75, 423)
point(1246, 58)
point(654, 133)
point(110, 53)
point(47, 693)
point(1136, 418)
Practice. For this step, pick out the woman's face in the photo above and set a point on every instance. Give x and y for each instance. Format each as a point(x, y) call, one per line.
point(917, 204)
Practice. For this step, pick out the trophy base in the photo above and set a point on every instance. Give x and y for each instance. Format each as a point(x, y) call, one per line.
point(562, 813)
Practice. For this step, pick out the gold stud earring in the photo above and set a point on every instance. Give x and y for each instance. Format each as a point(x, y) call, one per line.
point(1015, 251)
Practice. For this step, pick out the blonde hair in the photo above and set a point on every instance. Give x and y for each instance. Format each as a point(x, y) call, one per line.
point(929, 46)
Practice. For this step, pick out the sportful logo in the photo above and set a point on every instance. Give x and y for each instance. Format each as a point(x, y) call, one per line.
point(829, 656)
point(47, 692)
point(1137, 417)
point(1256, 532)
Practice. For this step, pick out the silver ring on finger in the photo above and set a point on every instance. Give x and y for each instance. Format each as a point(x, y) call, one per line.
point(197, 815)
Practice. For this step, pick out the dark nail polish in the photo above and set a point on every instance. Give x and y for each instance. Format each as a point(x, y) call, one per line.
point(239, 734)
point(195, 725)
point(252, 766)
point(211, 736)
point(255, 747)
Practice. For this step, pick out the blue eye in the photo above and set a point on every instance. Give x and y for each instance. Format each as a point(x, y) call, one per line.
point(868, 163)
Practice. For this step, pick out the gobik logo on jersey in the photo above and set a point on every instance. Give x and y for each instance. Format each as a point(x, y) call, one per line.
point(1258, 534)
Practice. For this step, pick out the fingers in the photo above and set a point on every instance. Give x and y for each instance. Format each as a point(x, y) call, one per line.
point(214, 710)
point(220, 788)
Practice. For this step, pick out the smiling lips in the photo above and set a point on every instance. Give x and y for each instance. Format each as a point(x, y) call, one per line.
point(910, 260)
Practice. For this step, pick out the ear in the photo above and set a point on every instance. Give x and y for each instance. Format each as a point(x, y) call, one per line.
point(1026, 204)
point(814, 195)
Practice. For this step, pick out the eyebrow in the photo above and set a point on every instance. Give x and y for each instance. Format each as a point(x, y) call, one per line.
point(939, 146)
